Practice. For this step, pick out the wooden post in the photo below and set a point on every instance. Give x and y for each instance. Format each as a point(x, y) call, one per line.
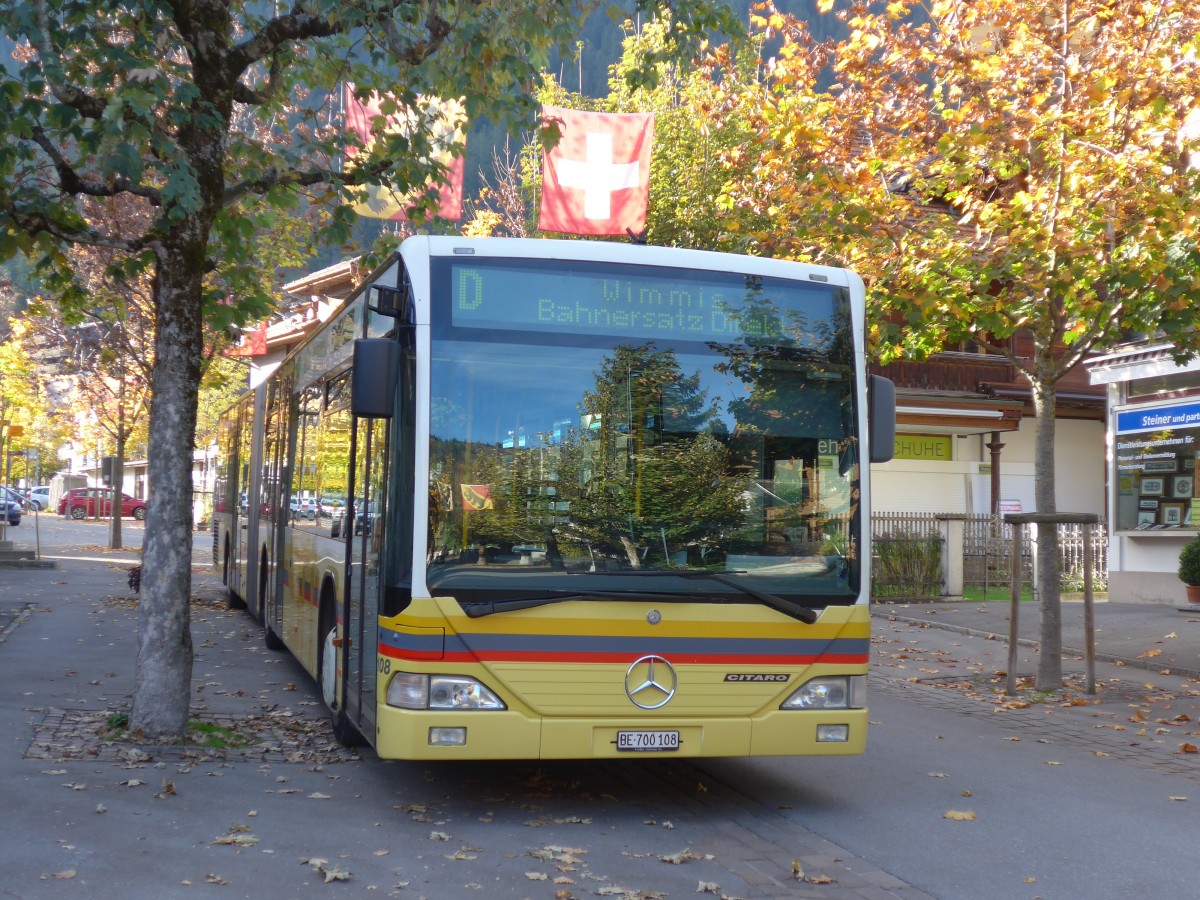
point(1089, 622)
point(1014, 606)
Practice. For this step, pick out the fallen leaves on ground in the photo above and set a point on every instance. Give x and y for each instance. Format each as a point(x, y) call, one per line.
point(327, 870)
point(238, 836)
point(678, 859)
point(959, 815)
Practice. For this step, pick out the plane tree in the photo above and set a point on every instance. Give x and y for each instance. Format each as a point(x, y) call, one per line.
point(149, 101)
point(992, 168)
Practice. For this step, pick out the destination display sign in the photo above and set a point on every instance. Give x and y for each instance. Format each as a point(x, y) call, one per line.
point(648, 302)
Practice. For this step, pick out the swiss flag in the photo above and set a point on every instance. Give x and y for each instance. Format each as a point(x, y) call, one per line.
point(446, 118)
point(597, 179)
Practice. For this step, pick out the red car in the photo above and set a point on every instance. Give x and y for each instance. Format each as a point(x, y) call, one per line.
point(81, 502)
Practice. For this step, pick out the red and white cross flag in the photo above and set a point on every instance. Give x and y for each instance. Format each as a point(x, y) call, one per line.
point(596, 180)
point(448, 122)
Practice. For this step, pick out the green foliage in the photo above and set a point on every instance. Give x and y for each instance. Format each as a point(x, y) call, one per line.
point(910, 565)
point(1189, 562)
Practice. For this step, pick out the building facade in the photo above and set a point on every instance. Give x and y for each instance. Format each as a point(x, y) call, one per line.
point(1153, 438)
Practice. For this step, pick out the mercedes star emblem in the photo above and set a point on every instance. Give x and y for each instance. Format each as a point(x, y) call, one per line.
point(650, 682)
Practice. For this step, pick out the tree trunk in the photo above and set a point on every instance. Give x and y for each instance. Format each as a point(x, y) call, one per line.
point(1049, 673)
point(631, 553)
point(162, 687)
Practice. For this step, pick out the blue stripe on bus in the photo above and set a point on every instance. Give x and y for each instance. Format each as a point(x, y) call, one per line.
point(486, 645)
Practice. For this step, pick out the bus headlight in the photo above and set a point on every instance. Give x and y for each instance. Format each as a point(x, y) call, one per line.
point(409, 691)
point(829, 692)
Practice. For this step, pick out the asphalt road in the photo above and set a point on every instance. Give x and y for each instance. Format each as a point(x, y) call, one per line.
point(1059, 798)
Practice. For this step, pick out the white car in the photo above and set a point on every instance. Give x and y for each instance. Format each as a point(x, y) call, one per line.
point(39, 497)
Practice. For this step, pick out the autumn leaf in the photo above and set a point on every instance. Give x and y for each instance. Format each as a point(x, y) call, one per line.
point(237, 840)
point(328, 871)
point(537, 876)
point(1187, 748)
point(956, 815)
point(680, 858)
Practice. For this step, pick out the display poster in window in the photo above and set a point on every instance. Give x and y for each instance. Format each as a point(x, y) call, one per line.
point(1156, 452)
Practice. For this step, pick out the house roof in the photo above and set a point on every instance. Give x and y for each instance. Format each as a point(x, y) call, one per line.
point(931, 412)
point(1139, 360)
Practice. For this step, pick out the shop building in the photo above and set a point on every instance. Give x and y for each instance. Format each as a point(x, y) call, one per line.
point(1153, 439)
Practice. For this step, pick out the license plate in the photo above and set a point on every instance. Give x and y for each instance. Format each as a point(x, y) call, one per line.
point(647, 740)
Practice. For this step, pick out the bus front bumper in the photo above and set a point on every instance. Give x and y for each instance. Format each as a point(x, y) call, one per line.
point(407, 734)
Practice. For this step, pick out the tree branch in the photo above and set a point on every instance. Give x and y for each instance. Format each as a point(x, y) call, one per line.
point(82, 102)
point(296, 25)
point(71, 182)
point(38, 223)
point(360, 175)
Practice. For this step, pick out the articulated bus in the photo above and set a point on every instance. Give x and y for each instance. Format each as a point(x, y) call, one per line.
point(568, 499)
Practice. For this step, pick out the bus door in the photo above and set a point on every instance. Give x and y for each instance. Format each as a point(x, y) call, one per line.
point(361, 616)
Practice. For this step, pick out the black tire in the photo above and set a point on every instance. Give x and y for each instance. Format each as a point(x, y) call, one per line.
point(140, 513)
point(78, 512)
point(271, 640)
point(232, 599)
point(344, 731)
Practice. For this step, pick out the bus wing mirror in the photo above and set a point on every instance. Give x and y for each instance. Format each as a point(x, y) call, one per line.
point(882, 394)
point(373, 384)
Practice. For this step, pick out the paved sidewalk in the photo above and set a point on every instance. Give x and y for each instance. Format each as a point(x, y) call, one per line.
point(1152, 637)
point(292, 813)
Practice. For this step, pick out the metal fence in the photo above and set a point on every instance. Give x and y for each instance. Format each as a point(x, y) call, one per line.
point(910, 550)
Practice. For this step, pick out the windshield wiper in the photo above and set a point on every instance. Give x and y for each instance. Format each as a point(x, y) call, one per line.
point(787, 607)
point(477, 609)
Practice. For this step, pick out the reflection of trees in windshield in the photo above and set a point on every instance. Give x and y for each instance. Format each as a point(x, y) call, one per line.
point(738, 458)
point(795, 427)
point(643, 475)
point(647, 476)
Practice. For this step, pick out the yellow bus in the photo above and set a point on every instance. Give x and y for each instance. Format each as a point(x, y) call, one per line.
point(569, 499)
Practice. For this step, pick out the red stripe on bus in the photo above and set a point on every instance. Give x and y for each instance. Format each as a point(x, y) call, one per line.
point(677, 659)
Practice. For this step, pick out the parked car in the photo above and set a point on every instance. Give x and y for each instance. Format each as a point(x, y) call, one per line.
point(9, 495)
point(81, 503)
point(364, 516)
point(39, 497)
point(304, 507)
point(12, 511)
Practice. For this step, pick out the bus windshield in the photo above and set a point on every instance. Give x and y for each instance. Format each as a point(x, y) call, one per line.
point(591, 422)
